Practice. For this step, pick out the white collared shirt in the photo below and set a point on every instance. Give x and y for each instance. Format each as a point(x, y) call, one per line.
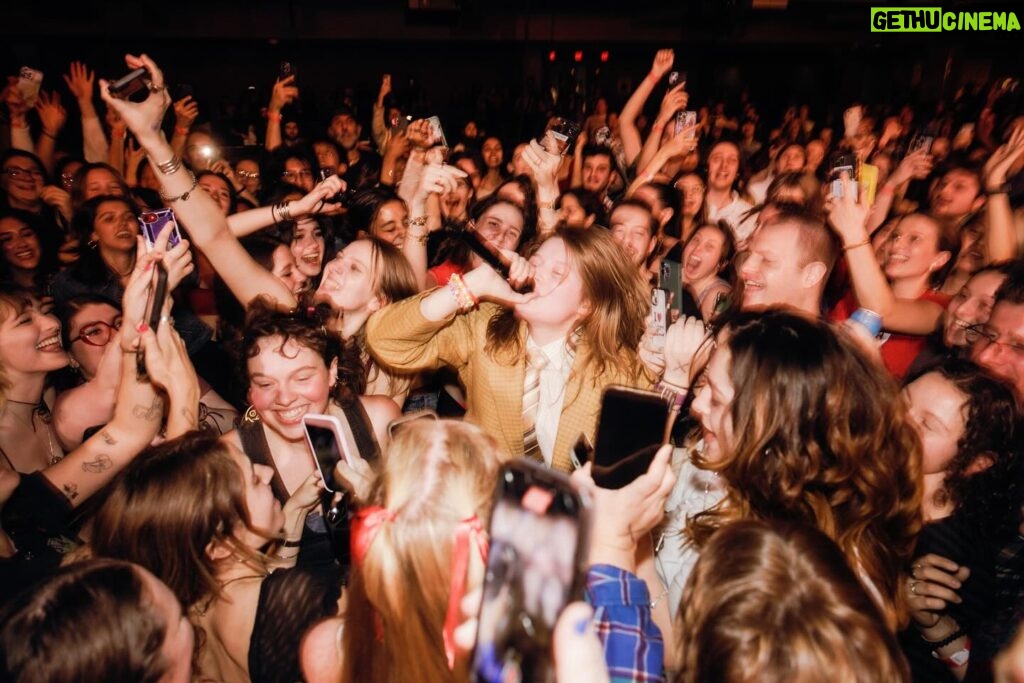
point(553, 378)
point(732, 213)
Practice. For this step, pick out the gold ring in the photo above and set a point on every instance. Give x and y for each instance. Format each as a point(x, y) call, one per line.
point(913, 587)
point(156, 88)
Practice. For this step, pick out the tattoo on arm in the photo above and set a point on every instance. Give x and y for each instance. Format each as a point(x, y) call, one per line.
point(102, 463)
point(107, 438)
point(70, 491)
point(153, 412)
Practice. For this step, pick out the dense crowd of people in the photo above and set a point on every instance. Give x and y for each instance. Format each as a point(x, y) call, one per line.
point(837, 495)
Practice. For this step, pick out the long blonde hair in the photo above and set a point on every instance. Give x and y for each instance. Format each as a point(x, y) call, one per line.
point(435, 475)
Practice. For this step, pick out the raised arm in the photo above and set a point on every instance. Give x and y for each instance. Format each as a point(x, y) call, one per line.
point(437, 179)
point(207, 226)
point(285, 92)
point(675, 99)
point(186, 111)
point(544, 166)
point(1001, 239)
point(630, 134)
point(848, 218)
point(247, 222)
point(80, 81)
point(52, 117)
point(916, 165)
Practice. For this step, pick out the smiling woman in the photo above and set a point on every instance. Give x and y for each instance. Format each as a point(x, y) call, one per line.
point(30, 348)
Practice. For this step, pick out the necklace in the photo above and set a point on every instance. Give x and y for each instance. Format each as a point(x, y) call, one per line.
point(54, 452)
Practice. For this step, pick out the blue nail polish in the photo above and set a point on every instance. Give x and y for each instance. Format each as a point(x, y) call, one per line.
point(581, 626)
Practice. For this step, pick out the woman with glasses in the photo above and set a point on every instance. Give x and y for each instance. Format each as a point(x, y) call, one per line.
point(89, 323)
point(23, 186)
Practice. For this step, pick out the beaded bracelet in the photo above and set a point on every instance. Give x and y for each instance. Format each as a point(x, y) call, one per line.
point(418, 222)
point(463, 297)
point(184, 195)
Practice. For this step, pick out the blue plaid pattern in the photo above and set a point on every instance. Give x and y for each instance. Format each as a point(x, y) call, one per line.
point(633, 647)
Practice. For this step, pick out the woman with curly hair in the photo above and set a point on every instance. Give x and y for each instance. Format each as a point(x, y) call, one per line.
point(967, 422)
point(773, 602)
point(802, 427)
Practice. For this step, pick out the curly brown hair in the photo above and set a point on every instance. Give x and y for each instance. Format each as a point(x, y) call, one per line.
point(821, 436)
point(305, 327)
point(988, 500)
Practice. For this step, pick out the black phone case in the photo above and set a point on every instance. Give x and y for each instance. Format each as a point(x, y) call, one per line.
point(630, 430)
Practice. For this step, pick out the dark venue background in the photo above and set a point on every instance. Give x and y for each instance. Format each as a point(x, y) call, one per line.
point(491, 60)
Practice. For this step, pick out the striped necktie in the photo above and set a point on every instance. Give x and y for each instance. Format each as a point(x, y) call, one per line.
point(536, 361)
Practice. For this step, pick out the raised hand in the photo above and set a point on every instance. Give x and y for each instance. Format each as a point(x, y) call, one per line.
point(143, 118)
point(51, 114)
point(663, 61)
point(848, 215)
point(80, 81)
point(999, 164)
point(675, 99)
point(284, 93)
point(186, 111)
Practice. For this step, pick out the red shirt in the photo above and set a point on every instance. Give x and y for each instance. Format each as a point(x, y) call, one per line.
point(898, 350)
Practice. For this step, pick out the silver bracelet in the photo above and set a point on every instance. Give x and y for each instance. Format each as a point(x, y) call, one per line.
point(170, 166)
point(184, 195)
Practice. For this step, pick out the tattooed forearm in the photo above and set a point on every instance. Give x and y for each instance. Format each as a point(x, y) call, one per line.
point(107, 438)
point(102, 463)
point(153, 412)
point(70, 491)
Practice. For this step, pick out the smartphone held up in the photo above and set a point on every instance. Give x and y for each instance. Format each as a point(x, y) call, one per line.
point(538, 534)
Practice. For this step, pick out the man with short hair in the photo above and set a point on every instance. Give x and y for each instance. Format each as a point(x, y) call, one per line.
point(788, 263)
point(635, 229)
point(363, 164)
point(598, 170)
point(999, 343)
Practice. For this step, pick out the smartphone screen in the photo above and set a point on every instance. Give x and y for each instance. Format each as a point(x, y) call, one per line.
point(632, 426)
point(153, 223)
point(559, 136)
point(537, 541)
point(326, 451)
point(841, 163)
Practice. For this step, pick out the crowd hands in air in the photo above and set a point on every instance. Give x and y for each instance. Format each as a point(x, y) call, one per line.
point(840, 350)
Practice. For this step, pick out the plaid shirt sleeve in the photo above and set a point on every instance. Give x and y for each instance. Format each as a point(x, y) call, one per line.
point(633, 647)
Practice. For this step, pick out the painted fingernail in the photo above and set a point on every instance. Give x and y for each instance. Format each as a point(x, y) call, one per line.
point(142, 327)
point(149, 264)
point(581, 626)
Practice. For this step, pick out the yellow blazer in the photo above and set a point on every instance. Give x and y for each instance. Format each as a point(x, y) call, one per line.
point(399, 337)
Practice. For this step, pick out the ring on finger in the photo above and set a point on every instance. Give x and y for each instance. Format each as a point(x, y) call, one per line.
point(913, 587)
point(156, 88)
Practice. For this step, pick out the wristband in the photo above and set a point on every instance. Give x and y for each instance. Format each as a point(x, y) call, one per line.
point(999, 189)
point(463, 297)
point(865, 243)
point(273, 117)
point(422, 239)
point(181, 130)
point(288, 543)
point(887, 189)
point(19, 123)
point(49, 134)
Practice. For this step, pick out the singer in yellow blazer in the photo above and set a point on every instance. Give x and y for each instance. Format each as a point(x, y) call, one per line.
point(585, 291)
